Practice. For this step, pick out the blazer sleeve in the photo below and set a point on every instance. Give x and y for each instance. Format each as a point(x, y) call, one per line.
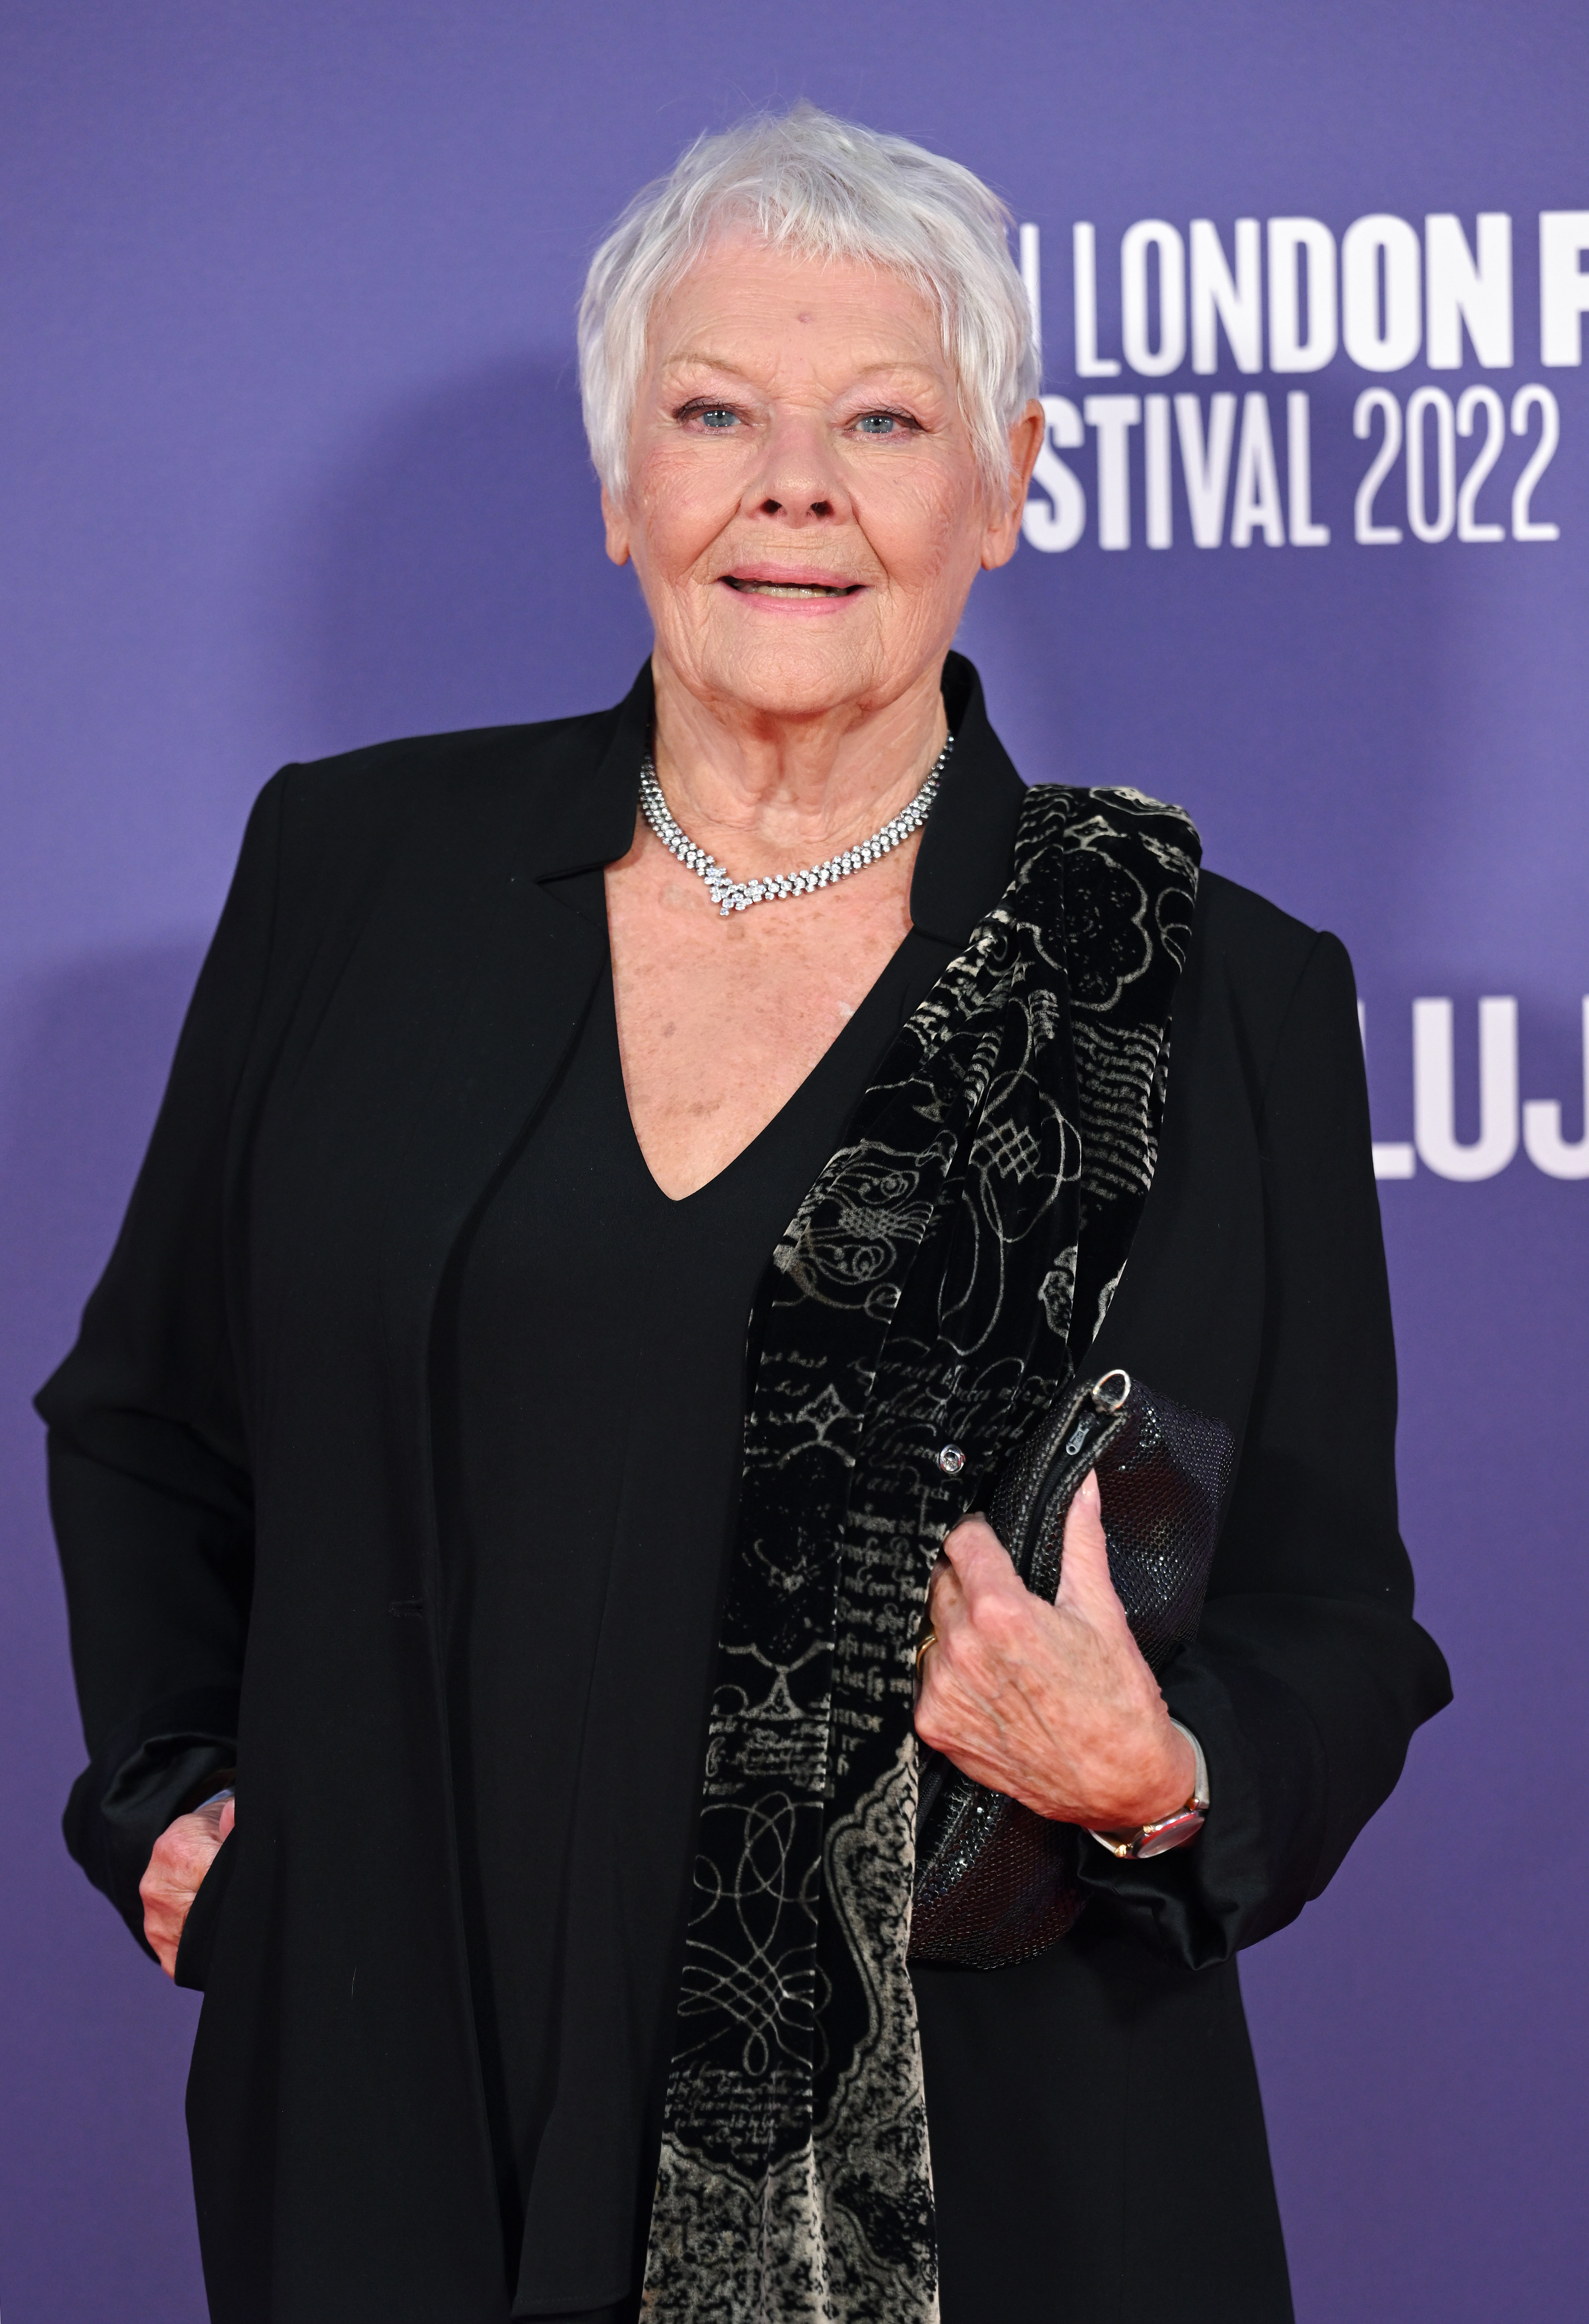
point(149, 1485)
point(1309, 1673)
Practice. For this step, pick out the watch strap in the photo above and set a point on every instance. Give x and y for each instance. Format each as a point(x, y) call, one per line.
point(1157, 1838)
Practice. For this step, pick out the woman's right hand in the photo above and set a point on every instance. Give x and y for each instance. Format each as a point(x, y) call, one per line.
point(183, 1854)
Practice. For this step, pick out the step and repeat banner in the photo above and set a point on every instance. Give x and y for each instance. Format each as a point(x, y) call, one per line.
point(1379, 305)
point(292, 461)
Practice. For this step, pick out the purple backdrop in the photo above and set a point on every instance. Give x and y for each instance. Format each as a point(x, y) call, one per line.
point(293, 461)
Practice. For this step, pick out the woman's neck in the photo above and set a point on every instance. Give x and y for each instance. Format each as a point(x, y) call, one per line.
point(764, 791)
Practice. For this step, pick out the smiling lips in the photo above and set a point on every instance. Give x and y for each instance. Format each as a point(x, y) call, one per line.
point(760, 585)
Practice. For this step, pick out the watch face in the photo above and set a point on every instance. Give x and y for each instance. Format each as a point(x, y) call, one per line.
point(1174, 1833)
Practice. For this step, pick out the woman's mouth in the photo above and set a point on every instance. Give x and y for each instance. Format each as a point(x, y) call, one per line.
point(759, 588)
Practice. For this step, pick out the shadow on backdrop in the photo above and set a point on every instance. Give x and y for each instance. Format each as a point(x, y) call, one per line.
point(454, 573)
point(94, 2055)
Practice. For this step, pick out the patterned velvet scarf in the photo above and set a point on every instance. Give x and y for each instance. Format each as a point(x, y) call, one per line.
point(945, 1272)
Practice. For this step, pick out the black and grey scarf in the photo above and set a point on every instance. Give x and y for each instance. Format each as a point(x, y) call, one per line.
point(951, 1262)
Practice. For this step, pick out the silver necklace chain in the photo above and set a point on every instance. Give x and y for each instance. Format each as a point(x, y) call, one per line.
point(731, 894)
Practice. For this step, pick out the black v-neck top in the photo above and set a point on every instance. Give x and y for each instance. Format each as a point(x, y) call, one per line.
point(592, 1380)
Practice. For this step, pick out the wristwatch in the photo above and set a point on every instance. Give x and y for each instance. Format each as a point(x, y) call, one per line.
point(1171, 1830)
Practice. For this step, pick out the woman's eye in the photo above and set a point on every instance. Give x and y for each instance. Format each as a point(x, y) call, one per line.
point(718, 417)
point(883, 424)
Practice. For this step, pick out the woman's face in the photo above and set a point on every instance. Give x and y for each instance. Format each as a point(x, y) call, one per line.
point(803, 509)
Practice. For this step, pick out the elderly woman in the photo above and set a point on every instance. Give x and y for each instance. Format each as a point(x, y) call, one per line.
point(627, 1186)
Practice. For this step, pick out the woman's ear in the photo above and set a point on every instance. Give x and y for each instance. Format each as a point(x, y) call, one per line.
point(1004, 532)
point(617, 524)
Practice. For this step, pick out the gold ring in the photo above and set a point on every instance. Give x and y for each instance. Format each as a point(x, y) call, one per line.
point(929, 1637)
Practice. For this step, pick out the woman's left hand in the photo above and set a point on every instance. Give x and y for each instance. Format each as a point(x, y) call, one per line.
point(1052, 1705)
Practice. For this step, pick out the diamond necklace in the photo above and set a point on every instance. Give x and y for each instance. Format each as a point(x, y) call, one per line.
point(731, 894)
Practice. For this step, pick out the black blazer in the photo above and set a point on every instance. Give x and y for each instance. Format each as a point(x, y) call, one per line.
point(241, 1479)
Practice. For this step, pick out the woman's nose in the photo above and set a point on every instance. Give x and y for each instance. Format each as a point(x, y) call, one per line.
point(799, 476)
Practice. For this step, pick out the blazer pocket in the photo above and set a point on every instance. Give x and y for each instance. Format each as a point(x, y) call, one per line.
point(203, 1917)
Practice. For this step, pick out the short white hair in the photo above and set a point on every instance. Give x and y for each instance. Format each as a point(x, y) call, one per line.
point(810, 183)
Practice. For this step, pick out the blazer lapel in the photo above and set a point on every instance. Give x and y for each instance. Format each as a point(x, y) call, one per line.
point(534, 964)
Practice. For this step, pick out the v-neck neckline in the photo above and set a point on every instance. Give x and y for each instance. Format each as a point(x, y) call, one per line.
point(863, 1023)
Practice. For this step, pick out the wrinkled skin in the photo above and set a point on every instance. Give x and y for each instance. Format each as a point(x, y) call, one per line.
point(1052, 1704)
point(183, 1854)
point(798, 428)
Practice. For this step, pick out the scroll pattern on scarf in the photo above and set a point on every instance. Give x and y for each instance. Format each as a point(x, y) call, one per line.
point(934, 1286)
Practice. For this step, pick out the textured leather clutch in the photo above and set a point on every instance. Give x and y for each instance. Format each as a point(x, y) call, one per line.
point(996, 1882)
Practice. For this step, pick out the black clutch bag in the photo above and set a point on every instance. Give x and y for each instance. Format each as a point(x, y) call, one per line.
point(996, 1882)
